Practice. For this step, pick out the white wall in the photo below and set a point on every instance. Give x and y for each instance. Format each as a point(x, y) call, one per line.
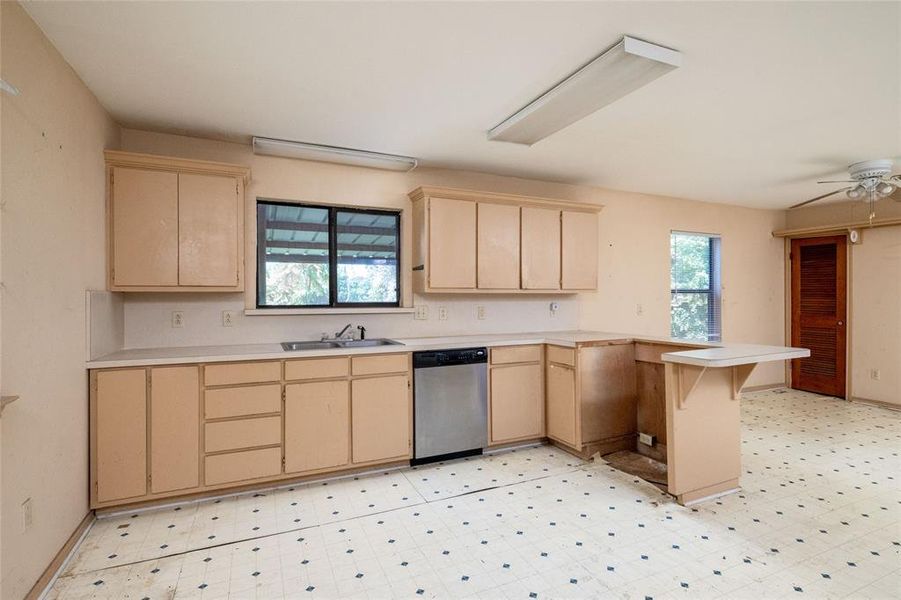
point(53, 249)
point(634, 260)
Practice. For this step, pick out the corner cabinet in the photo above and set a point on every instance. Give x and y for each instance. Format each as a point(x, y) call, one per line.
point(174, 224)
point(483, 242)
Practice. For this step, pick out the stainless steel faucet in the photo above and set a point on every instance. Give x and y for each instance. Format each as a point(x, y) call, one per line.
point(340, 334)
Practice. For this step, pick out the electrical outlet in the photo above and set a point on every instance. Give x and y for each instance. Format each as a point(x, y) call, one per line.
point(228, 318)
point(442, 313)
point(646, 438)
point(639, 309)
point(421, 312)
point(554, 307)
point(480, 313)
point(178, 319)
point(27, 514)
point(875, 374)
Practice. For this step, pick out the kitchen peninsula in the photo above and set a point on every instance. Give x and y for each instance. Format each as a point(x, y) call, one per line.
point(255, 414)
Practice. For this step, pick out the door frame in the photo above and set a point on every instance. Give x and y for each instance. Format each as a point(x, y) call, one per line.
point(848, 300)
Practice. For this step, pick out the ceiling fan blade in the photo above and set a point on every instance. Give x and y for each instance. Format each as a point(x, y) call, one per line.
point(800, 204)
point(839, 181)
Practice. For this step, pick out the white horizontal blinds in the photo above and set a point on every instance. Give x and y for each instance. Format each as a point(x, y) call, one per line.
point(695, 286)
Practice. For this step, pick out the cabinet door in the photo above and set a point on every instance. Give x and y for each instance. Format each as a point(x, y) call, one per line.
point(498, 246)
point(540, 249)
point(517, 403)
point(174, 428)
point(207, 230)
point(382, 418)
point(452, 243)
point(561, 404)
point(144, 227)
point(317, 425)
point(579, 250)
point(120, 429)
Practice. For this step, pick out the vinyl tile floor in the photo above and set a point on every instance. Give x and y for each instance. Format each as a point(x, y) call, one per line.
point(818, 516)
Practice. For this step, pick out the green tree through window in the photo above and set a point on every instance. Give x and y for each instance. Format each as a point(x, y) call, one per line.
point(695, 286)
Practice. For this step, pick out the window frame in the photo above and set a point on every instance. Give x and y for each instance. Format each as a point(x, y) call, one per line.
point(714, 284)
point(333, 210)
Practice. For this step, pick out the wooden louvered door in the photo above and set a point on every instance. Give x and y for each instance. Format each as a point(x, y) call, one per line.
point(819, 298)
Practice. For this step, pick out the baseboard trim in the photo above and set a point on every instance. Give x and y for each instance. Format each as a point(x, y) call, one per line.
point(877, 403)
point(59, 562)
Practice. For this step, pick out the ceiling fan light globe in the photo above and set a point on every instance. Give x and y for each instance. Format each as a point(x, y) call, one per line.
point(886, 189)
point(855, 193)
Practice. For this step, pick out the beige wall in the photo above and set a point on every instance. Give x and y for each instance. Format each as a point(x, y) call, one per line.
point(874, 296)
point(53, 135)
point(634, 261)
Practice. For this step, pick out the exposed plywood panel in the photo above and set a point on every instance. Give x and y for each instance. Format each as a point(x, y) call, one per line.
point(607, 390)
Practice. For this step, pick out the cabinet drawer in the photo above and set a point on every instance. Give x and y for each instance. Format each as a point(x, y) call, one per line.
point(382, 363)
point(250, 372)
point(240, 466)
point(245, 433)
point(316, 368)
point(515, 354)
point(242, 401)
point(559, 354)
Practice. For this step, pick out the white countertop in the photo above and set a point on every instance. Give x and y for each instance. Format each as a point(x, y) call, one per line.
point(707, 354)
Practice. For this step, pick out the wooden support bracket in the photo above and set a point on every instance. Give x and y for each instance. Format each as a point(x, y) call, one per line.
point(687, 378)
point(740, 374)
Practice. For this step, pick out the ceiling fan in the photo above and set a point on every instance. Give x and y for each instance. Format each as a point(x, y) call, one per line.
point(872, 180)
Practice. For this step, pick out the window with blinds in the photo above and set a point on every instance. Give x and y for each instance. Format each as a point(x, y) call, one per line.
point(695, 288)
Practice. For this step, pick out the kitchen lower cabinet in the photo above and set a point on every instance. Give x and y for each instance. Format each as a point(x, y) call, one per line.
point(561, 403)
point(317, 425)
point(517, 403)
point(382, 419)
point(174, 428)
point(119, 420)
point(516, 394)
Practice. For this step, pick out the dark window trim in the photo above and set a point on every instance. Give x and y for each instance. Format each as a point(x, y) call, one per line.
point(333, 210)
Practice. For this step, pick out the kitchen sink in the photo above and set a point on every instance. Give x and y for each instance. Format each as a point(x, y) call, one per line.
point(295, 346)
point(368, 343)
point(327, 345)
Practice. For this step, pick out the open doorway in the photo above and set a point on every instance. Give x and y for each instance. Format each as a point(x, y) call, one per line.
point(819, 298)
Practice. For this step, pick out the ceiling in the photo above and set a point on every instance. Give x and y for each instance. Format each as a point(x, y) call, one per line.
point(770, 97)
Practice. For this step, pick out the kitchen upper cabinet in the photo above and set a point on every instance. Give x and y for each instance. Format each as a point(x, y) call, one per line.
point(452, 243)
point(484, 242)
point(208, 207)
point(540, 248)
point(579, 250)
point(174, 428)
point(382, 419)
point(144, 223)
point(119, 434)
point(174, 224)
point(317, 425)
point(498, 246)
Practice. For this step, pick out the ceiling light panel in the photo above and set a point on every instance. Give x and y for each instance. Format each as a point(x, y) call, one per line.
point(332, 154)
point(627, 66)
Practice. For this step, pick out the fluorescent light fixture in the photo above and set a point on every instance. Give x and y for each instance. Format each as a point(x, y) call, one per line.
point(622, 69)
point(332, 154)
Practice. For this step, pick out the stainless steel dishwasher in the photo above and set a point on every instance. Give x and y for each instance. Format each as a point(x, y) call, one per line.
point(450, 403)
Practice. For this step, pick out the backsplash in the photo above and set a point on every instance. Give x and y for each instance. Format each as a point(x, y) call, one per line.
point(148, 319)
